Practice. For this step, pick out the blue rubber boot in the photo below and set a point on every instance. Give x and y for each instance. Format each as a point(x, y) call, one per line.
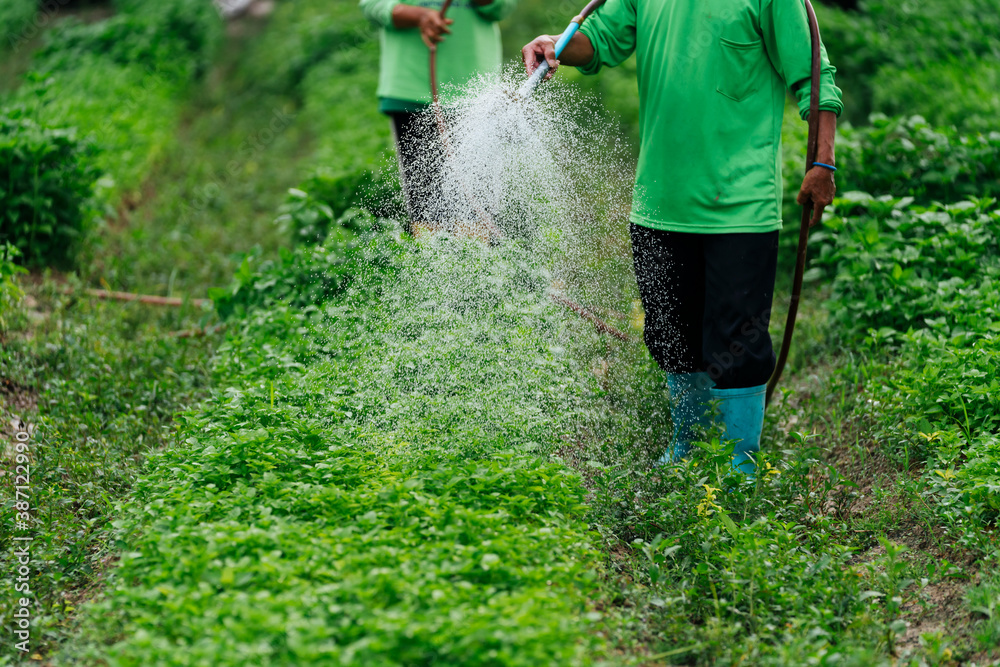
point(690, 394)
point(741, 413)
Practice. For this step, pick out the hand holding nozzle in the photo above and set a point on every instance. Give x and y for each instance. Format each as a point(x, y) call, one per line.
point(541, 55)
point(540, 60)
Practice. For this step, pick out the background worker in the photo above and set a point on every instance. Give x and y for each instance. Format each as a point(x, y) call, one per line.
point(706, 210)
point(467, 42)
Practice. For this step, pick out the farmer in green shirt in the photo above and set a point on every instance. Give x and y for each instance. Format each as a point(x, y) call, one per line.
point(467, 42)
point(706, 209)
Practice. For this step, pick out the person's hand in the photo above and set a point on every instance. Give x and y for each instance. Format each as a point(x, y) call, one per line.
point(542, 48)
point(819, 186)
point(433, 28)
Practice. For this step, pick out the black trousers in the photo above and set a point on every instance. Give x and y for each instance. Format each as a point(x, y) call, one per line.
point(708, 299)
point(419, 151)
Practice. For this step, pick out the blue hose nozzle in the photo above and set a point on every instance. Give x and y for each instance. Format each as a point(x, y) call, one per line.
point(539, 74)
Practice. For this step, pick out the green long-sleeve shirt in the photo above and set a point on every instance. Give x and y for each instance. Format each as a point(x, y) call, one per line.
point(712, 78)
point(473, 46)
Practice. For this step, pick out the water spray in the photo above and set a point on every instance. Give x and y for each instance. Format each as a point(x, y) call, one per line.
point(484, 220)
point(487, 228)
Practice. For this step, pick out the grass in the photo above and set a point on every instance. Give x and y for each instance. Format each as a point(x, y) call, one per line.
point(358, 469)
point(99, 400)
point(356, 472)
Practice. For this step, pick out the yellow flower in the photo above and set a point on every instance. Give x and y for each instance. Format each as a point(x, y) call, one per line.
point(770, 471)
point(708, 505)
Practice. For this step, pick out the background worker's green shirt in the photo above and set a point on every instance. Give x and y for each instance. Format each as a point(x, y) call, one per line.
point(712, 78)
point(473, 46)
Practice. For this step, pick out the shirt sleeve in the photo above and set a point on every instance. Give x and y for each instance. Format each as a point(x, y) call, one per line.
point(785, 26)
point(496, 10)
point(379, 12)
point(611, 30)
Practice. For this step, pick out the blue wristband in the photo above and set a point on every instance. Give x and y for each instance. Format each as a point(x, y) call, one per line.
point(828, 166)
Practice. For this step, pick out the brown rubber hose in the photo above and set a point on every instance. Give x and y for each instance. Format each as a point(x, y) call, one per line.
point(434, 86)
point(807, 209)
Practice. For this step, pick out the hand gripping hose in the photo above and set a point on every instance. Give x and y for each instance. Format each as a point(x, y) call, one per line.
point(807, 208)
point(543, 68)
point(434, 86)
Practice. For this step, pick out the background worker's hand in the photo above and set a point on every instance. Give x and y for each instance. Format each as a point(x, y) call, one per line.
point(433, 28)
point(540, 48)
point(819, 186)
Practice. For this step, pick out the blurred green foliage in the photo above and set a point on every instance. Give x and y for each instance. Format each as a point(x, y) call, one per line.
point(176, 38)
point(306, 33)
point(326, 57)
point(15, 18)
point(616, 88)
point(127, 112)
point(194, 24)
point(939, 59)
point(46, 190)
point(113, 82)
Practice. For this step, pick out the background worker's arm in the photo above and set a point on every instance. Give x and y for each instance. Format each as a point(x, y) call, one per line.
point(787, 39)
point(393, 13)
point(428, 21)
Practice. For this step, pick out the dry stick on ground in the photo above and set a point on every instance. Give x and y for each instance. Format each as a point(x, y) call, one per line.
point(151, 300)
point(193, 333)
point(601, 325)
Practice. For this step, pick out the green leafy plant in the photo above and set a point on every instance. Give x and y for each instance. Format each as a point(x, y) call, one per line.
point(906, 157)
point(901, 266)
point(310, 275)
point(890, 574)
point(984, 601)
point(10, 292)
point(371, 482)
point(340, 205)
point(47, 178)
